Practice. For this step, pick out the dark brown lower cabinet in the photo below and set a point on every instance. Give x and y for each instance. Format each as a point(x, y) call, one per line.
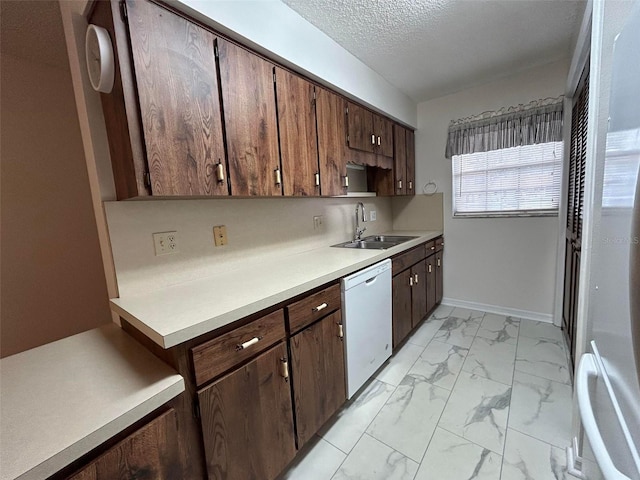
point(317, 369)
point(438, 276)
point(418, 293)
point(401, 306)
point(150, 452)
point(247, 421)
point(431, 282)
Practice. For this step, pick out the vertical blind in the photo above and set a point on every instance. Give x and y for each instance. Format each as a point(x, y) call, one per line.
point(508, 162)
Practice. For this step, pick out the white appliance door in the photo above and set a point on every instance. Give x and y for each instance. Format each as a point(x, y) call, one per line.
point(607, 379)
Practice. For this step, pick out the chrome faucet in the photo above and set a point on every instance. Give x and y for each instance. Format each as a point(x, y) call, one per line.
point(360, 230)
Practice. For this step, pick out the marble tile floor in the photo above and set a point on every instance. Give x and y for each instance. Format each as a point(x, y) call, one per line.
point(469, 396)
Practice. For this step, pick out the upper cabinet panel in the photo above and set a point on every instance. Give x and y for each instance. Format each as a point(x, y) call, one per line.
point(411, 162)
point(360, 124)
point(298, 138)
point(330, 110)
point(175, 73)
point(400, 160)
point(383, 130)
point(249, 105)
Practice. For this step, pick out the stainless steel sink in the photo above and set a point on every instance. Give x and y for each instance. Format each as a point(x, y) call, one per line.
point(375, 242)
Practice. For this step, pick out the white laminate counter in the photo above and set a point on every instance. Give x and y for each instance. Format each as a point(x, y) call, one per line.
point(182, 312)
point(61, 400)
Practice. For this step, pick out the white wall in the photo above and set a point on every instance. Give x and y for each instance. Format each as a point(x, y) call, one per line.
point(507, 263)
point(273, 28)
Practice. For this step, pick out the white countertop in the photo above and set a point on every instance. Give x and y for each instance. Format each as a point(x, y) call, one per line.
point(61, 400)
point(182, 312)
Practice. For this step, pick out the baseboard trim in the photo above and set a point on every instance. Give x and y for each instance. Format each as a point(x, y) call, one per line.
point(511, 312)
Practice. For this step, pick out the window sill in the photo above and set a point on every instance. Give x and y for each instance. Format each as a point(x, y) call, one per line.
point(505, 214)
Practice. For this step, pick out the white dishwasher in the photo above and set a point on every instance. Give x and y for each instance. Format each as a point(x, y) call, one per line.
point(366, 304)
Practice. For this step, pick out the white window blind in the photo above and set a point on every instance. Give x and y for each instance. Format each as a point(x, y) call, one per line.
point(517, 181)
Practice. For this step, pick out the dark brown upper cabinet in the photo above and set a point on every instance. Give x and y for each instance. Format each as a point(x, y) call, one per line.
point(369, 132)
point(175, 75)
point(249, 105)
point(298, 136)
point(404, 161)
point(331, 120)
point(411, 162)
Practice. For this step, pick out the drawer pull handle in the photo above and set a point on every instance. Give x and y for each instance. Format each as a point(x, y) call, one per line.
point(340, 331)
point(322, 306)
point(433, 248)
point(415, 278)
point(411, 281)
point(438, 262)
point(278, 176)
point(378, 141)
point(442, 244)
point(373, 139)
point(429, 268)
point(410, 185)
point(317, 178)
point(399, 184)
point(284, 369)
point(248, 343)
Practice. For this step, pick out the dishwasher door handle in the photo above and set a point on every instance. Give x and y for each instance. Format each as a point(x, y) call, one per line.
point(372, 280)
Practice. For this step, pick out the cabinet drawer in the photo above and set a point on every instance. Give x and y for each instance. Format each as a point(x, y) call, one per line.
point(430, 247)
point(313, 307)
point(405, 260)
point(439, 242)
point(220, 354)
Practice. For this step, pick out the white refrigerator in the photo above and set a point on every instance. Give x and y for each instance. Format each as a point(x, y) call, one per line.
point(607, 379)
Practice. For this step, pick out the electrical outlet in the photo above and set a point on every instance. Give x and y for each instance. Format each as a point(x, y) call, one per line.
point(373, 215)
point(317, 222)
point(165, 243)
point(220, 235)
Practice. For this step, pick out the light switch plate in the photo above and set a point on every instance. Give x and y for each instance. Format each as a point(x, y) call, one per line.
point(165, 243)
point(317, 222)
point(220, 235)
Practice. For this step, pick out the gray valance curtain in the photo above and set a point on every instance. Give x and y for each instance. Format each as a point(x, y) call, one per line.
point(537, 122)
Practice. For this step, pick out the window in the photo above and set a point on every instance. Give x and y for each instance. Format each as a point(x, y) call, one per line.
point(516, 181)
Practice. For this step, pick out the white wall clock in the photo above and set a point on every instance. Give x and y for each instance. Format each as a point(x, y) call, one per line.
point(100, 61)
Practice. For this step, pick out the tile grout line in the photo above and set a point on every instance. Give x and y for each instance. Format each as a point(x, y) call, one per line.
point(513, 379)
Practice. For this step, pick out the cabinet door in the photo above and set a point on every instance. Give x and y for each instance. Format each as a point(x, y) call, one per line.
point(399, 160)
point(411, 162)
point(247, 420)
point(249, 105)
point(175, 72)
point(151, 452)
point(360, 125)
point(383, 130)
point(298, 139)
point(431, 282)
point(332, 131)
point(317, 369)
point(418, 293)
point(438, 267)
point(401, 286)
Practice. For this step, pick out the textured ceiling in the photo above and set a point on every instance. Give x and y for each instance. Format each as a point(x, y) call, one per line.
point(429, 48)
point(32, 30)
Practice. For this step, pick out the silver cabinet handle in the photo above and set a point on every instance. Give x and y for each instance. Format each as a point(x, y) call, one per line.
point(373, 139)
point(284, 369)
point(220, 172)
point(317, 176)
point(415, 277)
point(433, 248)
point(410, 185)
point(278, 176)
point(340, 331)
point(322, 306)
point(438, 262)
point(248, 343)
point(345, 181)
point(411, 281)
point(429, 268)
point(378, 141)
point(399, 184)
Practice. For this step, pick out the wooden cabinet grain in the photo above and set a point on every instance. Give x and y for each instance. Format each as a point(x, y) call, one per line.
point(399, 160)
point(249, 105)
point(150, 452)
point(331, 120)
point(401, 306)
point(360, 134)
point(247, 421)
point(411, 162)
point(431, 281)
point(383, 130)
point(438, 276)
point(418, 293)
point(317, 369)
point(298, 137)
